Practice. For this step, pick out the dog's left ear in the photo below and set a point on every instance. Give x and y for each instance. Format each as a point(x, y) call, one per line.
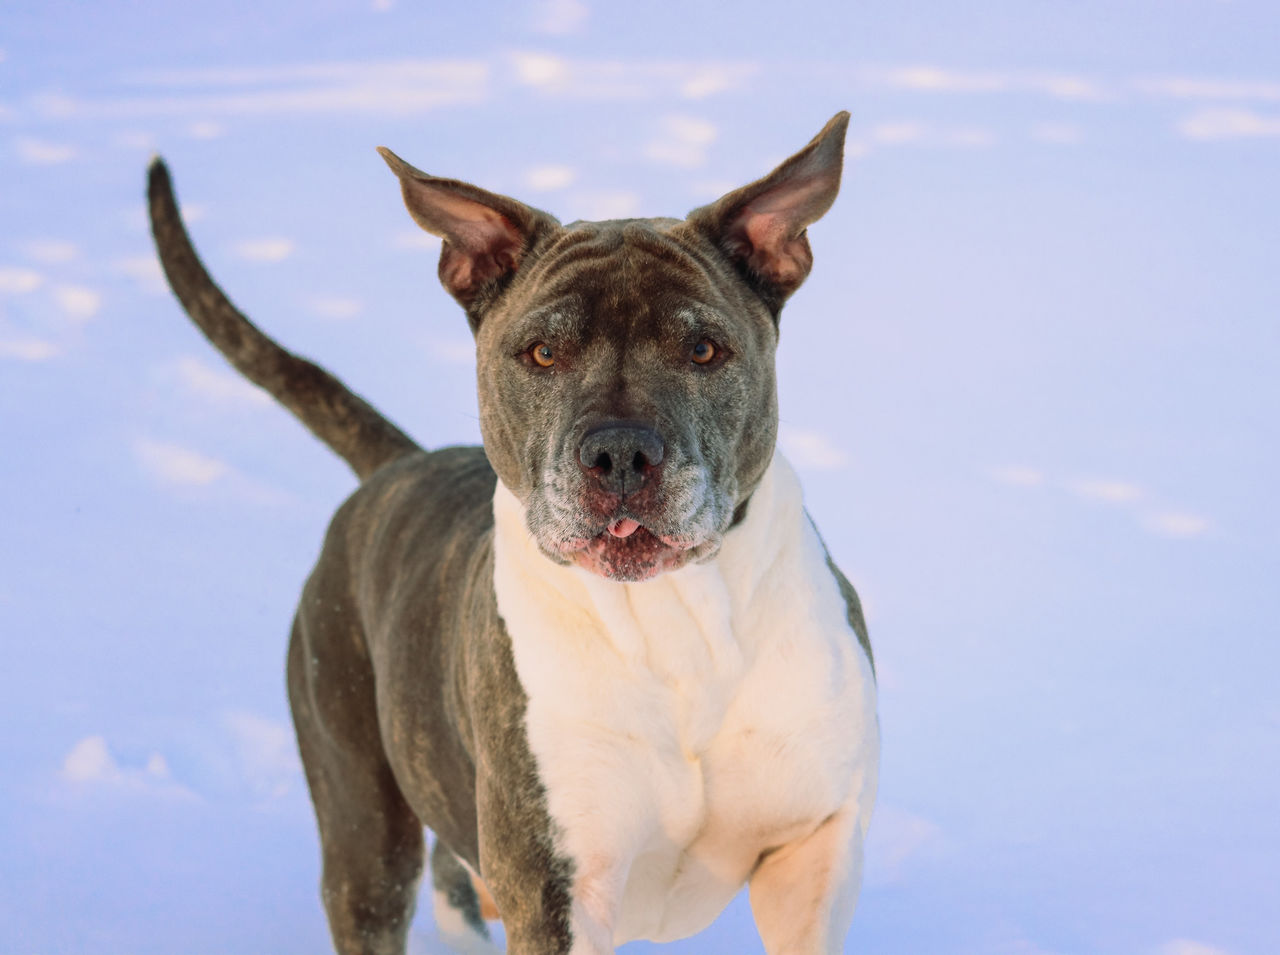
point(484, 236)
point(761, 226)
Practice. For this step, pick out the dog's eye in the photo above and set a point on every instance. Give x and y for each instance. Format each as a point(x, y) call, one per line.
point(703, 352)
point(542, 355)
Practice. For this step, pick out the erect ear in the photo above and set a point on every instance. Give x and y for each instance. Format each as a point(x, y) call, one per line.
point(485, 235)
point(761, 226)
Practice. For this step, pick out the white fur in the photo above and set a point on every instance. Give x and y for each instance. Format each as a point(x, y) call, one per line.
point(684, 725)
point(453, 928)
point(449, 921)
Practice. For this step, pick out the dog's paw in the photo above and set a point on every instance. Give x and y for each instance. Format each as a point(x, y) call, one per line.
point(460, 927)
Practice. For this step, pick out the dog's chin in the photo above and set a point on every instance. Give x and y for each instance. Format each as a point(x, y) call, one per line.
point(641, 555)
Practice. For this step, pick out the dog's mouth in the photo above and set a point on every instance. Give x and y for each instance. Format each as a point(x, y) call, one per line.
point(663, 526)
point(629, 552)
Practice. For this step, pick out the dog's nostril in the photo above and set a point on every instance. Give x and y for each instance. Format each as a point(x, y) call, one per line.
point(622, 457)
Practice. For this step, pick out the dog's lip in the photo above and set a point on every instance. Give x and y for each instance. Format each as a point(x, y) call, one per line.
point(628, 551)
point(639, 554)
point(618, 530)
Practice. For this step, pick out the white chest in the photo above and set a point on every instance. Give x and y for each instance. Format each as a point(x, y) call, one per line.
point(684, 725)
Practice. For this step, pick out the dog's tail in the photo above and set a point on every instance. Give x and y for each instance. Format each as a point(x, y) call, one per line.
point(341, 419)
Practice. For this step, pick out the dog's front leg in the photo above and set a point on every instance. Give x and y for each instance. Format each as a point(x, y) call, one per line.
point(550, 905)
point(597, 888)
point(803, 894)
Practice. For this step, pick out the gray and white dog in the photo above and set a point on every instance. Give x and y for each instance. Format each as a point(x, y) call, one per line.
point(605, 658)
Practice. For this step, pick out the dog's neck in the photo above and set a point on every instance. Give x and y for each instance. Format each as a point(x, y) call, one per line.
point(695, 623)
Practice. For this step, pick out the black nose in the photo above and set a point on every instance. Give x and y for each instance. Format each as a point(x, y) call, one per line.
point(621, 457)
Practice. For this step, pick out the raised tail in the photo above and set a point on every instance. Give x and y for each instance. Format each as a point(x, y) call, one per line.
point(334, 414)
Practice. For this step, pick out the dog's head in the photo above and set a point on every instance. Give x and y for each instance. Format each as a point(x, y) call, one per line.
point(626, 368)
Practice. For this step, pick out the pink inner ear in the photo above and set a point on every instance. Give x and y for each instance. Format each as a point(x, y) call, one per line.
point(791, 199)
point(478, 230)
point(776, 253)
point(462, 212)
point(479, 250)
point(773, 225)
point(455, 270)
point(764, 231)
point(480, 243)
point(465, 270)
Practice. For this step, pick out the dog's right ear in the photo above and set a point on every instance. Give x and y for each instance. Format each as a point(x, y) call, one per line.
point(761, 227)
point(485, 236)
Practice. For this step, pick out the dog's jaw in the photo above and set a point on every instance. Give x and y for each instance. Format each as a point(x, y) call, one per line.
point(640, 555)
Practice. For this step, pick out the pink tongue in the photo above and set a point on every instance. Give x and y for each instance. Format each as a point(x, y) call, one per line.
point(624, 527)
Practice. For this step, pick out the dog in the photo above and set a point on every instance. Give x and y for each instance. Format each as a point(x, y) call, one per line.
point(606, 658)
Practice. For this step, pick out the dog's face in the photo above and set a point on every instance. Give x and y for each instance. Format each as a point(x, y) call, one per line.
point(626, 368)
point(627, 395)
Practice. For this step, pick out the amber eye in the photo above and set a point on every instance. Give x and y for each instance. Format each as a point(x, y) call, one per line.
point(703, 352)
point(541, 353)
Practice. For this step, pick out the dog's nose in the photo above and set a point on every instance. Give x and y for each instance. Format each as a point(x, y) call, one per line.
point(621, 457)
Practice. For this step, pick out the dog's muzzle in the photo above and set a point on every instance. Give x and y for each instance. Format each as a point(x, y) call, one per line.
point(632, 516)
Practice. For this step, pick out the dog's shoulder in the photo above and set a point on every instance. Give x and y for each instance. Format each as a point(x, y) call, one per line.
point(410, 540)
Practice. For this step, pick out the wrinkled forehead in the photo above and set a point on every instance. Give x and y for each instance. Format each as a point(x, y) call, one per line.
point(642, 278)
